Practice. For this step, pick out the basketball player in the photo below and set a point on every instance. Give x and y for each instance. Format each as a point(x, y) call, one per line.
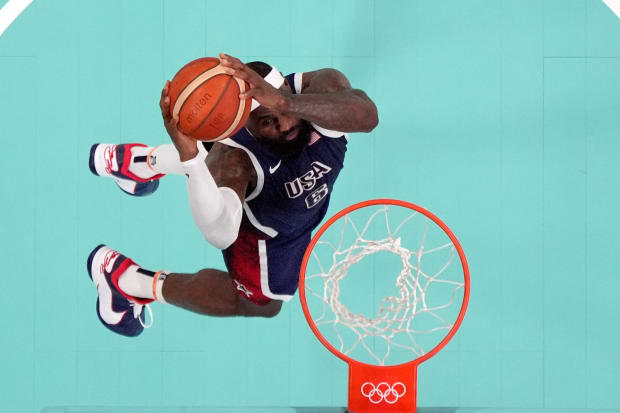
point(257, 196)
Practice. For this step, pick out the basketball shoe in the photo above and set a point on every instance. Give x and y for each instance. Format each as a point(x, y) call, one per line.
point(116, 161)
point(120, 312)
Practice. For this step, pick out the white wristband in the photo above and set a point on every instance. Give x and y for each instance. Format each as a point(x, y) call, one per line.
point(275, 79)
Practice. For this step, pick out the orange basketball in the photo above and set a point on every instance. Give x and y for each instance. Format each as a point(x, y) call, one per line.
point(206, 100)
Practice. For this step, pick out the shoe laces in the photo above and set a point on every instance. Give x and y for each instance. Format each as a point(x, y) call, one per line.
point(137, 310)
point(108, 156)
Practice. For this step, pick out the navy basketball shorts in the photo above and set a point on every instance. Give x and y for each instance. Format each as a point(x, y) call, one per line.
point(263, 268)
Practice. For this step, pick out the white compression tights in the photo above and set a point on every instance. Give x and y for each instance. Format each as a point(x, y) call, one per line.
point(217, 211)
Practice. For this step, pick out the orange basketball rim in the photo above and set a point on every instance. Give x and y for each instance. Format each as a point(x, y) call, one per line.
point(383, 388)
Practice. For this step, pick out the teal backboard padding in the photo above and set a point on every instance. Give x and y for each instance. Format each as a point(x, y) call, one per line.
point(501, 117)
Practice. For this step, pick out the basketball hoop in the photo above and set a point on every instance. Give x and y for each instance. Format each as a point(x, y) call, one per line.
point(416, 319)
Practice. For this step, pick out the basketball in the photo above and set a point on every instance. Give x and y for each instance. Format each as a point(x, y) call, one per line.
point(206, 100)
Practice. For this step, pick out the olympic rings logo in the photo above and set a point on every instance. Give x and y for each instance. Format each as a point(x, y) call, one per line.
point(383, 392)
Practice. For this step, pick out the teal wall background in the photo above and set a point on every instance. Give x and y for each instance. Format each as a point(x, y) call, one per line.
point(502, 117)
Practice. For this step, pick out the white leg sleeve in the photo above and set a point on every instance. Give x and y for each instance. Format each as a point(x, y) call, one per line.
point(165, 158)
point(216, 211)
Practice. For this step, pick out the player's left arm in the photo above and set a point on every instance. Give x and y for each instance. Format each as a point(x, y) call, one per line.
point(328, 100)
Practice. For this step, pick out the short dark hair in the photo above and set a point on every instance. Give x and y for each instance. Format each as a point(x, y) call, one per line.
point(261, 68)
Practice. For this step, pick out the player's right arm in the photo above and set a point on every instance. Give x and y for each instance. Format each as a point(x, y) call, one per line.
point(232, 168)
point(216, 186)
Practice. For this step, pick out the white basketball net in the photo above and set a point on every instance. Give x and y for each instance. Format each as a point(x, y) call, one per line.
point(397, 313)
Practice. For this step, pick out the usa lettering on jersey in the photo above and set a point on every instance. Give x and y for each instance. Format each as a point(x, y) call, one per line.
point(307, 182)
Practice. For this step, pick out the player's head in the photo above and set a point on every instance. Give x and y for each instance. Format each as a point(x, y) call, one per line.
point(286, 135)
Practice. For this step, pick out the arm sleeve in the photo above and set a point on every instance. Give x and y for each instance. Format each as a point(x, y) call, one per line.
point(217, 211)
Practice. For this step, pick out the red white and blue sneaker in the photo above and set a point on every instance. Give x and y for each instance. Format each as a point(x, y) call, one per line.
point(120, 312)
point(114, 161)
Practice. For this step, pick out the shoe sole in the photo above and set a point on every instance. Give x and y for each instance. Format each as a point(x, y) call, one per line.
point(89, 261)
point(91, 159)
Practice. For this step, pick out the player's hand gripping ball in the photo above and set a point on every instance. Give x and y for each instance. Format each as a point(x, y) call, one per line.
point(260, 90)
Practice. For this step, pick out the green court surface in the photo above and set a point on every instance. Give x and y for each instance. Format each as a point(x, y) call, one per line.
point(501, 117)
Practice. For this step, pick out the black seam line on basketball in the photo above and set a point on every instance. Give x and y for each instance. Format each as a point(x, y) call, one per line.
point(230, 78)
point(189, 83)
point(201, 83)
point(192, 92)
